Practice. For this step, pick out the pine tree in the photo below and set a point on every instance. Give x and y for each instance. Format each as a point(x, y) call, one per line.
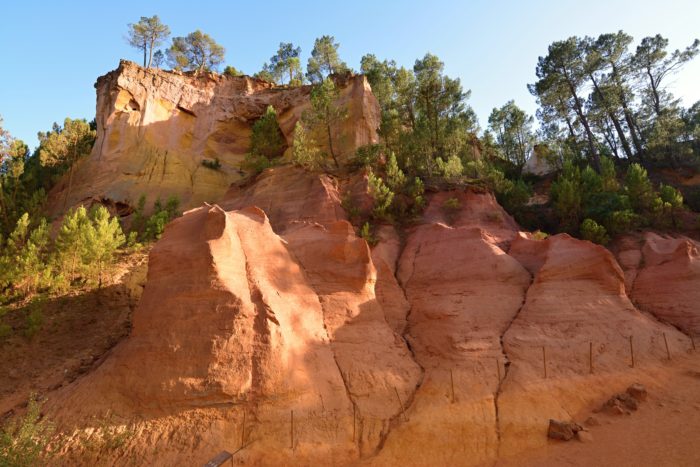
point(395, 177)
point(103, 238)
point(25, 259)
point(70, 245)
point(196, 52)
point(324, 59)
point(146, 35)
point(267, 139)
point(639, 189)
point(305, 153)
point(324, 115)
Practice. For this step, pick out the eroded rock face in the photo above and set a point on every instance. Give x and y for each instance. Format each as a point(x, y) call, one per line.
point(214, 326)
point(154, 129)
point(463, 291)
point(577, 320)
point(290, 195)
point(668, 283)
point(374, 360)
point(537, 163)
point(427, 348)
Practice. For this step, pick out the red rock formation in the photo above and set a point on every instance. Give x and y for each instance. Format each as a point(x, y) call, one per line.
point(668, 283)
point(472, 209)
point(374, 360)
point(155, 127)
point(420, 351)
point(214, 326)
point(463, 292)
point(577, 303)
point(290, 195)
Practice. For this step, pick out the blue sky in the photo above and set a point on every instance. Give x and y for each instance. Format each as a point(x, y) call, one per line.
point(52, 53)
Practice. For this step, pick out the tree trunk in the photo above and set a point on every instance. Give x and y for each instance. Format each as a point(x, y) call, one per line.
point(629, 118)
point(595, 157)
point(613, 118)
point(99, 274)
point(150, 55)
point(655, 93)
point(330, 139)
point(72, 265)
point(623, 140)
point(611, 142)
point(144, 54)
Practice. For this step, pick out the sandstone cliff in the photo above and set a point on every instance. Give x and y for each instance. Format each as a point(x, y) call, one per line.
point(155, 127)
point(276, 329)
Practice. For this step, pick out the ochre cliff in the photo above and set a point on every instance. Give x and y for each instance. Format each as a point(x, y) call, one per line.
point(269, 328)
point(155, 128)
point(268, 324)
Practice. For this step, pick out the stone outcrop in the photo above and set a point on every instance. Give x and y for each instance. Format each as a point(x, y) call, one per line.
point(537, 163)
point(155, 128)
point(452, 341)
point(577, 320)
point(668, 282)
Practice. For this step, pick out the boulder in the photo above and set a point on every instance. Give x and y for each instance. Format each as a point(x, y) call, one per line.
point(538, 164)
point(564, 431)
point(620, 404)
point(638, 392)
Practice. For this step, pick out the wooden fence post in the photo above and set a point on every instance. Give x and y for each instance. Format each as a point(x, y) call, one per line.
point(544, 361)
point(353, 421)
point(632, 351)
point(291, 429)
point(243, 430)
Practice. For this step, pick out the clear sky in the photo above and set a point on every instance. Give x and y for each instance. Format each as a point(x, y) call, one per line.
point(52, 51)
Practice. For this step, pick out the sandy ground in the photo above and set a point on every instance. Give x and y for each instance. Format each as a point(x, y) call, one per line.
point(665, 431)
point(77, 332)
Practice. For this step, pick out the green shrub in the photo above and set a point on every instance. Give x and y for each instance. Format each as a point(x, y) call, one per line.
point(450, 169)
point(162, 214)
point(348, 204)
point(266, 138)
point(23, 441)
point(417, 195)
point(382, 195)
point(692, 198)
point(452, 204)
point(232, 71)
point(367, 156)
point(366, 233)
point(255, 163)
point(213, 164)
point(672, 200)
point(450, 208)
point(594, 232)
point(639, 189)
point(623, 221)
point(513, 196)
point(305, 152)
